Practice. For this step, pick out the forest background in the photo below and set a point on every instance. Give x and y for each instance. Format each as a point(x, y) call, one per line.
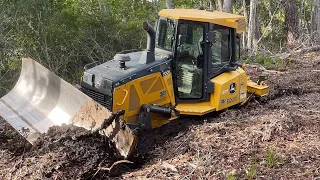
point(64, 35)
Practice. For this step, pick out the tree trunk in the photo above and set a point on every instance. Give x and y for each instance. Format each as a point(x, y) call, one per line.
point(155, 3)
point(227, 6)
point(212, 5)
point(169, 4)
point(219, 5)
point(155, 6)
point(300, 17)
point(316, 22)
point(272, 7)
point(291, 22)
point(257, 31)
point(245, 13)
point(252, 25)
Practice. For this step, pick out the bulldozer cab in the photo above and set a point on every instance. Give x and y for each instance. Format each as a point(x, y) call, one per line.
point(203, 45)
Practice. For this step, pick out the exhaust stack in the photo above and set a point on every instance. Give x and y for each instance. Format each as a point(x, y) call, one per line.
point(147, 55)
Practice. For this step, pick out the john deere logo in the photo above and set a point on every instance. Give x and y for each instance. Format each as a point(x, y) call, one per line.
point(232, 88)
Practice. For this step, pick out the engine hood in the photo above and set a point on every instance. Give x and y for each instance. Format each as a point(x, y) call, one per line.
point(110, 74)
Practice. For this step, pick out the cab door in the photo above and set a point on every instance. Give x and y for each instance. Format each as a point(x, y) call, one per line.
point(190, 62)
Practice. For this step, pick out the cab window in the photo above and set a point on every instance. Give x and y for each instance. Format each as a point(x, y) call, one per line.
point(164, 38)
point(221, 46)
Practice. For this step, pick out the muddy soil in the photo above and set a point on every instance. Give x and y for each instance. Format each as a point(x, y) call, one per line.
point(64, 152)
point(270, 138)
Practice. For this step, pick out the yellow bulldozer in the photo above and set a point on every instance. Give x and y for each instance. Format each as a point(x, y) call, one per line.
point(188, 68)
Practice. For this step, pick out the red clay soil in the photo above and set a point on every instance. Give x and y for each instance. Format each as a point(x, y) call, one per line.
point(271, 138)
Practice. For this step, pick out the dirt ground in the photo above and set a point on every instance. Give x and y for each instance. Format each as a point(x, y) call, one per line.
point(275, 137)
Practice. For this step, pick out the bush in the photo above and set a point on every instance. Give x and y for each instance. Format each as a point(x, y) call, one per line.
point(65, 35)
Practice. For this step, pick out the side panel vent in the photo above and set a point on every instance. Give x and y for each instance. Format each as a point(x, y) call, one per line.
point(102, 99)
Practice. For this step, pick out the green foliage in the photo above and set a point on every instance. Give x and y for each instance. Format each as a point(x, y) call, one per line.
point(182, 4)
point(252, 171)
point(266, 61)
point(64, 35)
point(9, 135)
point(230, 176)
point(272, 158)
point(269, 62)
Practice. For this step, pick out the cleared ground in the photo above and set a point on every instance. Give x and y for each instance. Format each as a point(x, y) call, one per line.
point(270, 138)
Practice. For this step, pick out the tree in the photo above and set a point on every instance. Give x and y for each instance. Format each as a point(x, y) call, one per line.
point(316, 22)
point(291, 22)
point(227, 6)
point(245, 13)
point(252, 26)
point(257, 31)
point(169, 4)
point(218, 5)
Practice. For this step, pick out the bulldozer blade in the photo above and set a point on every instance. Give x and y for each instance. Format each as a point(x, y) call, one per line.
point(40, 99)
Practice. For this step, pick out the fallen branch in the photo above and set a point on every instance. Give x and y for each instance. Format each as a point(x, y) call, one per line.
point(260, 68)
point(308, 49)
point(115, 168)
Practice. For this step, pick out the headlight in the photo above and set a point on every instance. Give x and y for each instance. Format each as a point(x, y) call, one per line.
point(88, 78)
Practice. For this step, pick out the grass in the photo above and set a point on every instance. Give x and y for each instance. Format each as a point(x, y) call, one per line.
point(9, 135)
point(252, 171)
point(268, 61)
point(272, 158)
point(230, 176)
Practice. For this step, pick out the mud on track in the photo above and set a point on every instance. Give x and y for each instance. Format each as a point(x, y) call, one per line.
point(233, 142)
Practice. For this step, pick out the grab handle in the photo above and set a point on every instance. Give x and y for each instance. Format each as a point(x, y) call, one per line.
point(125, 97)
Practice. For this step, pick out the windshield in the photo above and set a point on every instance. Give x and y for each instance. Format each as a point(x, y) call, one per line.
point(165, 34)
